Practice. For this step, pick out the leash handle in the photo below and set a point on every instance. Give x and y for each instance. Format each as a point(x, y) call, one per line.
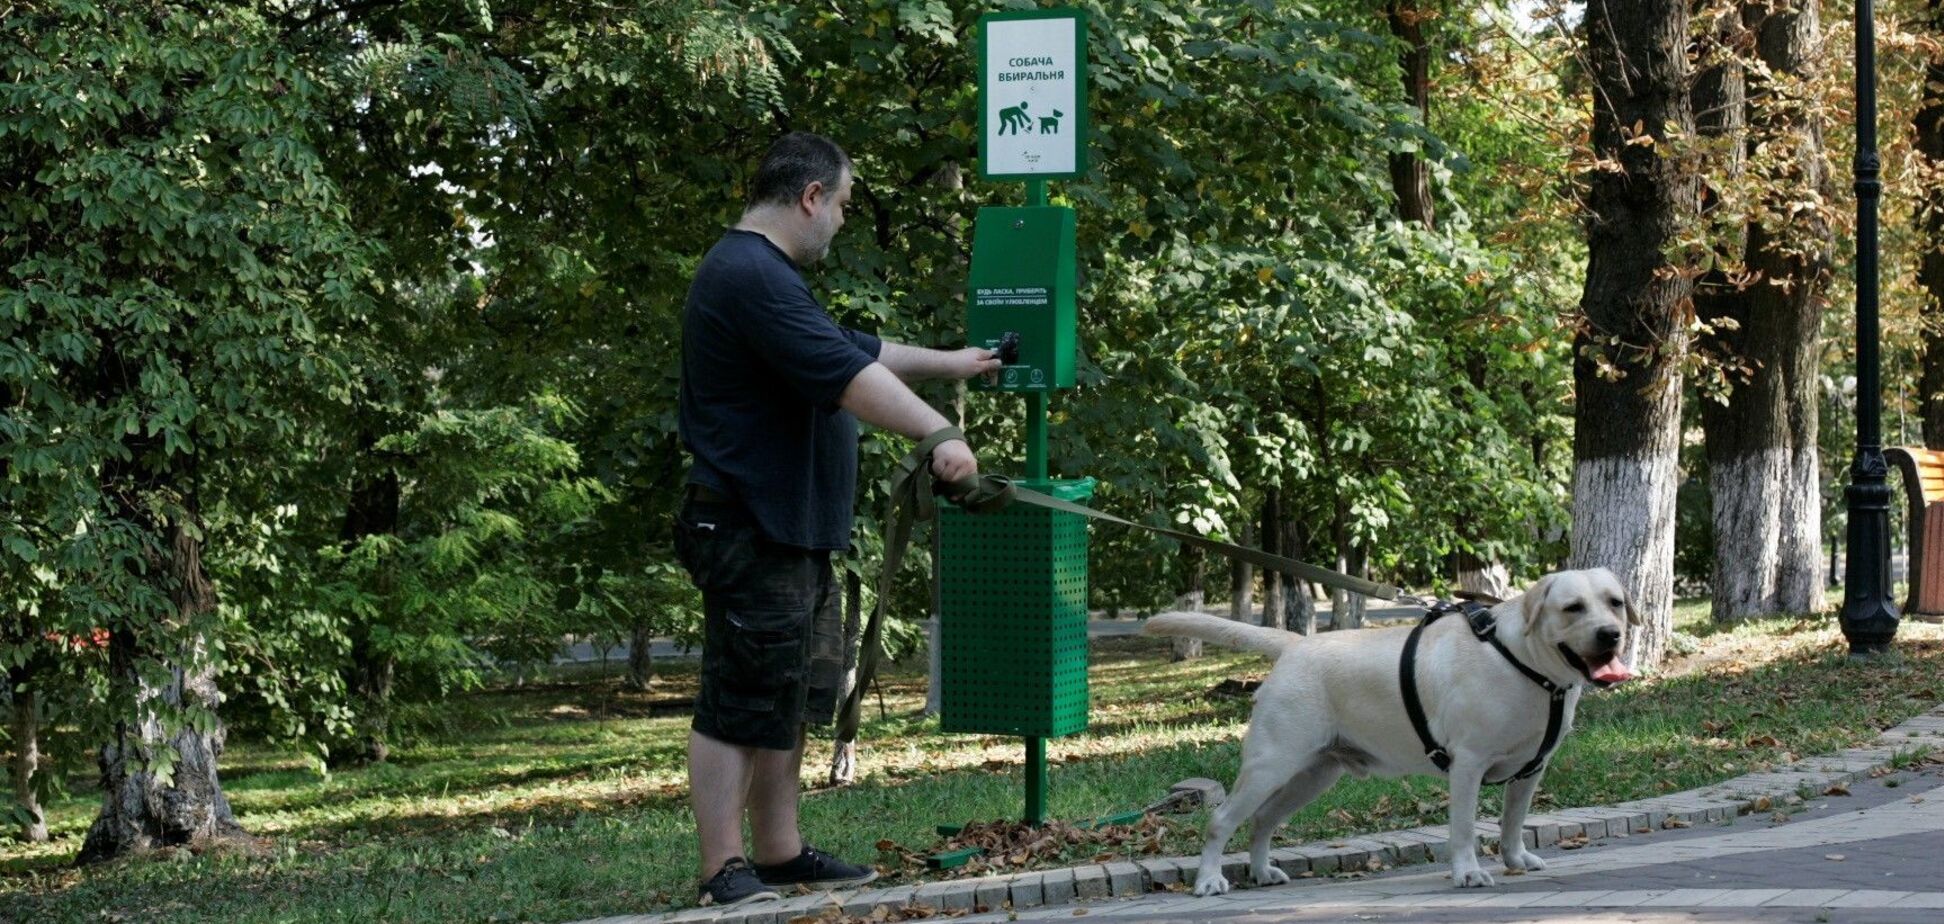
point(932, 441)
point(979, 493)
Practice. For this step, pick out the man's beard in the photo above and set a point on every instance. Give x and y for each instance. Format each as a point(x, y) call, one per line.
point(815, 243)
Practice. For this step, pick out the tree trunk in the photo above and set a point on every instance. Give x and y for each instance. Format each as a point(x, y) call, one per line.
point(373, 510)
point(1930, 274)
point(1762, 455)
point(1478, 576)
point(843, 755)
point(369, 681)
point(141, 808)
point(1346, 608)
point(641, 655)
point(1743, 440)
point(26, 741)
point(1474, 574)
point(1411, 183)
point(1409, 177)
point(1299, 607)
point(1242, 583)
point(1273, 582)
point(1189, 600)
point(1636, 307)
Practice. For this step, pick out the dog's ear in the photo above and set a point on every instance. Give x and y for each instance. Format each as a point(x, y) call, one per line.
point(1633, 612)
point(1533, 598)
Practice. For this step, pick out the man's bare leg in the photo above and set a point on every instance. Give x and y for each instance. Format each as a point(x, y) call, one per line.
point(719, 775)
point(773, 791)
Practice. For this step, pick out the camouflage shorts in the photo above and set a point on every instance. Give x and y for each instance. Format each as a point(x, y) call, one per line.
point(773, 636)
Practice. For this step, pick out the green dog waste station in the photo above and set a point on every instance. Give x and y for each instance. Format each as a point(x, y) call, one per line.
point(1013, 584)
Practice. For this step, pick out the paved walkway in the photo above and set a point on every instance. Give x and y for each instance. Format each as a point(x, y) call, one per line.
point(1876, 855)
point(1715, 854)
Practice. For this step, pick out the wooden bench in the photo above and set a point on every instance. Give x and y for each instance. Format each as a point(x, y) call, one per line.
point(1923, 479)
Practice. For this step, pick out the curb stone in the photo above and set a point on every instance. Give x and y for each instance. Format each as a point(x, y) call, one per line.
point(1090, 884)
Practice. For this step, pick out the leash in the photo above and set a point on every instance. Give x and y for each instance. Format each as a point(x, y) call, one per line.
point(910, 502)
point(1484, 626)
point(986, 493)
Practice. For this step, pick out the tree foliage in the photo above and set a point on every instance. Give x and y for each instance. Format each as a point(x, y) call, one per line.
point(379, 305)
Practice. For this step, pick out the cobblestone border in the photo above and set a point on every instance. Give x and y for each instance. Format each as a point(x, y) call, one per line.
point(1127, 879)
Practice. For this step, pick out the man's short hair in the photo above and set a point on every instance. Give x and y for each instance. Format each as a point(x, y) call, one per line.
point(794, 162)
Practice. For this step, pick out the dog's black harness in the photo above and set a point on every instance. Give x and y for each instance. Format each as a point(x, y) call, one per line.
point(1485, 626)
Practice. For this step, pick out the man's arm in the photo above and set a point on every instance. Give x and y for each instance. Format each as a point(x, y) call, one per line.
point(918, 364)
point(880, 399)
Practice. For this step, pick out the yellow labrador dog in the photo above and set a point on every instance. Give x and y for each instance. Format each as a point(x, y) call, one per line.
point(1334, 703)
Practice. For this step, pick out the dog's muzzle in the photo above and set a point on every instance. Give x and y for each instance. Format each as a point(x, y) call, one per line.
point(1601, 670)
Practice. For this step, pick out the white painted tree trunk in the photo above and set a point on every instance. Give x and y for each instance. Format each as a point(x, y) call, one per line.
point(1346, 608)
point(1491, 579)
point(1242, 588)
point(1299, 608)
point(1273, 582)
point(641, 655)
point(1623, 520)
point(1800, 578)
point(1635, 308)
point(1298, 602)
point(1767, 518)
point(26, 744)
point(1185, 649)
point(1747, 532)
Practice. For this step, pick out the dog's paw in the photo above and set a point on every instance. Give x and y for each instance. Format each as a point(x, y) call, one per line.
point(1523, 861)
point(1473, 878)
point(1215, 884)
point(1271, 876)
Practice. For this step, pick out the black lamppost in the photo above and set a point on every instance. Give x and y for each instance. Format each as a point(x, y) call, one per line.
point(1869, 617)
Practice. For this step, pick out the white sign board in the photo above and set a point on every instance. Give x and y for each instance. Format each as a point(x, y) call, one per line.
point(1032, 94)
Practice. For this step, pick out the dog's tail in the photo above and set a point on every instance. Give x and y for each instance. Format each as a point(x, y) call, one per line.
point(1218, 631)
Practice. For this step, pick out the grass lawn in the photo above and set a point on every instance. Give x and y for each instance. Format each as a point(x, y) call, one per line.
point(566, 799)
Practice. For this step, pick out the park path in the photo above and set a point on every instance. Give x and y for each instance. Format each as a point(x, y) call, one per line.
point(1835, 838)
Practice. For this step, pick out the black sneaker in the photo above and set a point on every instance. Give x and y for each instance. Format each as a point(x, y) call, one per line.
point(814, 869)
point(734, 884)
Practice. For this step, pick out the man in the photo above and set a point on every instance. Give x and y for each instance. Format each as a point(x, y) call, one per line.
point(771, 390)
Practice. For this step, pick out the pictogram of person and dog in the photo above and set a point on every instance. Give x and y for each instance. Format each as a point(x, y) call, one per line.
point(1017, 120)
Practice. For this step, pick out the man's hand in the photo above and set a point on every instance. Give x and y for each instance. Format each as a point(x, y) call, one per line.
point(952, 461)
point(970, 361)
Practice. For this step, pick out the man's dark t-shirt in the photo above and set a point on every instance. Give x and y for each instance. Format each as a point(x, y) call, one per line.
point(763, 366)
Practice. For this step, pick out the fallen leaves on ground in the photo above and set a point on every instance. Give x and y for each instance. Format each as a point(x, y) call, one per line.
point(1016, 845)
point(882, 914)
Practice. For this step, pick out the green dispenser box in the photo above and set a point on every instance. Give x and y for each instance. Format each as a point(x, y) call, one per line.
point(1022, 283)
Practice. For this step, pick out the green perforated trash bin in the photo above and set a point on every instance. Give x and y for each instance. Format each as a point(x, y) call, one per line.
point(1013, 626)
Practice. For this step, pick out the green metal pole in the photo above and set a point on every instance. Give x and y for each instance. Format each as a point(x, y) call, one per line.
point(1036, 401)
point(1036, 435)
point(1036, 469)
point(1035, 781)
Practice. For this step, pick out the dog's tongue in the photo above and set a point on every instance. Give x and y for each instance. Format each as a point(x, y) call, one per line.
point(1614, 671)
